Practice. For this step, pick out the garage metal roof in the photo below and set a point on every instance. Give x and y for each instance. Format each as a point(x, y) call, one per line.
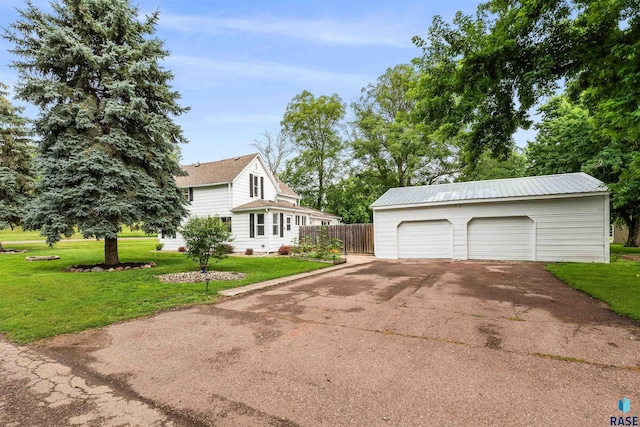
point(528, 187)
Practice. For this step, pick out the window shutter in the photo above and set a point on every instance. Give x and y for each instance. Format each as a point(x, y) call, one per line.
point(191, 194)
point(281, 225)
point(251, 186)
point(262, 187)
point(252, 231)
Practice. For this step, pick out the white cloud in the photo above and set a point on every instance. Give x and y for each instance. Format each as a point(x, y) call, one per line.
point(210, 69)
point(363, 32)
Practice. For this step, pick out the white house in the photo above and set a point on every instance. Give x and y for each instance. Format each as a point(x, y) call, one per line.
point(544, 218)
point(262, 211)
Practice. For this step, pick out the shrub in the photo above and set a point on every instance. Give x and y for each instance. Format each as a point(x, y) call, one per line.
point(159, 246)
point(248, 251)
point(205, 238)
point(182, 249)
point(229, 248)
point(284, 250)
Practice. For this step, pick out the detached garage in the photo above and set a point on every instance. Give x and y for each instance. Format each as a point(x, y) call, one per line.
point(544, 218)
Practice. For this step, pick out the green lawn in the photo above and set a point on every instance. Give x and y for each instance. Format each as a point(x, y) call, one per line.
point(40, 299)
point(17, 235)
point(617, 283)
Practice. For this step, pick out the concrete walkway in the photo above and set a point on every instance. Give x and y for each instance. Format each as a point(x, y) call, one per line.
point(352, 260)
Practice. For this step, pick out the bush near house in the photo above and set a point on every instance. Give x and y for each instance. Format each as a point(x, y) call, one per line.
point(284, 250)
point(322, 247)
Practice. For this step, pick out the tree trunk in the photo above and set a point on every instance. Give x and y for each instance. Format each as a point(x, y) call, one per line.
point(1, 249)
point(634, 232)
point(111, 251)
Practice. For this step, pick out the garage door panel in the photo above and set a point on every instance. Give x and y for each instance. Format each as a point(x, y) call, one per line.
point(502, 238)
point(425, 239)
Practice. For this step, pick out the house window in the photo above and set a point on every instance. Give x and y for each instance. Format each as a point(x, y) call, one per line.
point(297, 219)
point(226, 220)
point(304, 220)
point(187, 193)
point(260, 224)
point(256, 225)
point(256, 186)
point(288, 223)
point(276, 228)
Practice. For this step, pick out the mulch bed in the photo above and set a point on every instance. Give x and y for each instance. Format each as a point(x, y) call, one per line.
point(631, 257)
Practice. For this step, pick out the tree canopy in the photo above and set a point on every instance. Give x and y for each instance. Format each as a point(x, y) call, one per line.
point(493, 67)
point(313, 125)
point(389, 143)
point(16, 177)
point(569, 140)
point(108, 145)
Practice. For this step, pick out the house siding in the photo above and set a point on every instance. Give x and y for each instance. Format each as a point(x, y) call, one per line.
point(211, 200)
point(565, 229)
point(240, 187)
point(266, 243)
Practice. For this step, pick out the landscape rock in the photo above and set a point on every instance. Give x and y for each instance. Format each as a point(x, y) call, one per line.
point(97, 270)
point(197, 276)
point(42, 258)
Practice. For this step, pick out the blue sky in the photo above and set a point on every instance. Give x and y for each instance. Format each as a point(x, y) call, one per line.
point(238, 63)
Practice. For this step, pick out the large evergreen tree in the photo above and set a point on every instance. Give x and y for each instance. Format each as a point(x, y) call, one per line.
point(16, 181)
point(108, 148)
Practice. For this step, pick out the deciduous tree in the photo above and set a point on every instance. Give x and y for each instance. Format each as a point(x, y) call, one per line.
point(314, 127)
point(569, 140)
point(394, 148)
point(502, 61)
point(274, 149)
point(108, 148)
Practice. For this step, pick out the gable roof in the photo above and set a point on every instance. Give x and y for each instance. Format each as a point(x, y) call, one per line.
point(211, 173)
point(534, 186)
point(285, 189)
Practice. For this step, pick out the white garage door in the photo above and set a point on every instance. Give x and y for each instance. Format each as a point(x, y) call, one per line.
point(504, 238)
point(425, 239)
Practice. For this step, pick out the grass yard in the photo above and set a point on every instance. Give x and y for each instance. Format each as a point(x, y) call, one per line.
point(617, 283)
point(18, 235)
point(40, 299)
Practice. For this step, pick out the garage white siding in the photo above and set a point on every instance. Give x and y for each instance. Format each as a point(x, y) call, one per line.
point(564, 229)
point(425, 239)
point(505, 238)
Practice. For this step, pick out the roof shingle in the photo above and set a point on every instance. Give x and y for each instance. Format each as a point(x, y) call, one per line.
point(211, 173)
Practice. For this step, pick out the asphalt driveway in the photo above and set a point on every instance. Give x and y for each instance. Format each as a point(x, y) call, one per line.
point(384, 343)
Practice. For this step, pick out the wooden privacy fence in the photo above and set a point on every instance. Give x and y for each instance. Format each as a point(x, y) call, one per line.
point(356, 238)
